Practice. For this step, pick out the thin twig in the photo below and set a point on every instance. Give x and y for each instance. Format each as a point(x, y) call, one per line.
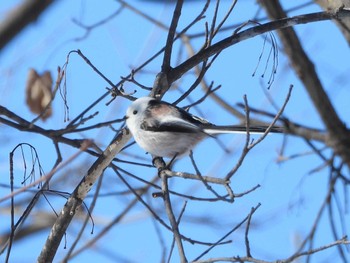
point(204, 181)
point(272, 124)
point(207, 179)
point(229, 233)
point(247, 246)
point(245, 147)
point(49, 175)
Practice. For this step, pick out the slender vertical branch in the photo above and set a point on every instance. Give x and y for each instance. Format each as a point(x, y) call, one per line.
point(169, 42)
point(169, 211)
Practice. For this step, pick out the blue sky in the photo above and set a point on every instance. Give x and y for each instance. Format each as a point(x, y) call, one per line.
point(290, 197)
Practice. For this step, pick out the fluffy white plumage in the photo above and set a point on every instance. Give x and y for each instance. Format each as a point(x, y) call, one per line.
point(165, 130)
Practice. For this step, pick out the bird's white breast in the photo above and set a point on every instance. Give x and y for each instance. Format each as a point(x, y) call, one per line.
point(166, 144)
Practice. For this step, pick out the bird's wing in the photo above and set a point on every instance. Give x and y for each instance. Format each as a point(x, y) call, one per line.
point(170, 125)
point(164, 117)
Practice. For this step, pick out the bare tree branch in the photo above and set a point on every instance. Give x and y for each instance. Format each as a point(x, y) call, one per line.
point(168, 208)
point(24, 14)
point(202, 55)
point(75, 200)
point(171, 33)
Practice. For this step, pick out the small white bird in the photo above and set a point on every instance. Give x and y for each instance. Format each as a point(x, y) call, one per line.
point(165, 130)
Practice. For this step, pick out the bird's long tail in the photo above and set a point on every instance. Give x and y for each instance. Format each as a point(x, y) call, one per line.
point(242, 129)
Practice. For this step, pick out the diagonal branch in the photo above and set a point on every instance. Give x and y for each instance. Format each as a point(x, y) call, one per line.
point(202, 55)
point(75, 200)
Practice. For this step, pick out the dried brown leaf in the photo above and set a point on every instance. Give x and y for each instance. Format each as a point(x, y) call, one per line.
point(39, 93)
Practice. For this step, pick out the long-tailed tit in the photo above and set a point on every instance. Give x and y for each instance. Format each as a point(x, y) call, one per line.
point(165, 130)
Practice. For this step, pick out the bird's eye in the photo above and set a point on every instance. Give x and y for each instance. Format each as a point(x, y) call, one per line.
point(134, 112)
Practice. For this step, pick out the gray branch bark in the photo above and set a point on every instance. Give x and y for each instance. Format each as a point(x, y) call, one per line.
point(76, 199)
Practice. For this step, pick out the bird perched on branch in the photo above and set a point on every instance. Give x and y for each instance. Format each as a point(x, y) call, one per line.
point(165, 130)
